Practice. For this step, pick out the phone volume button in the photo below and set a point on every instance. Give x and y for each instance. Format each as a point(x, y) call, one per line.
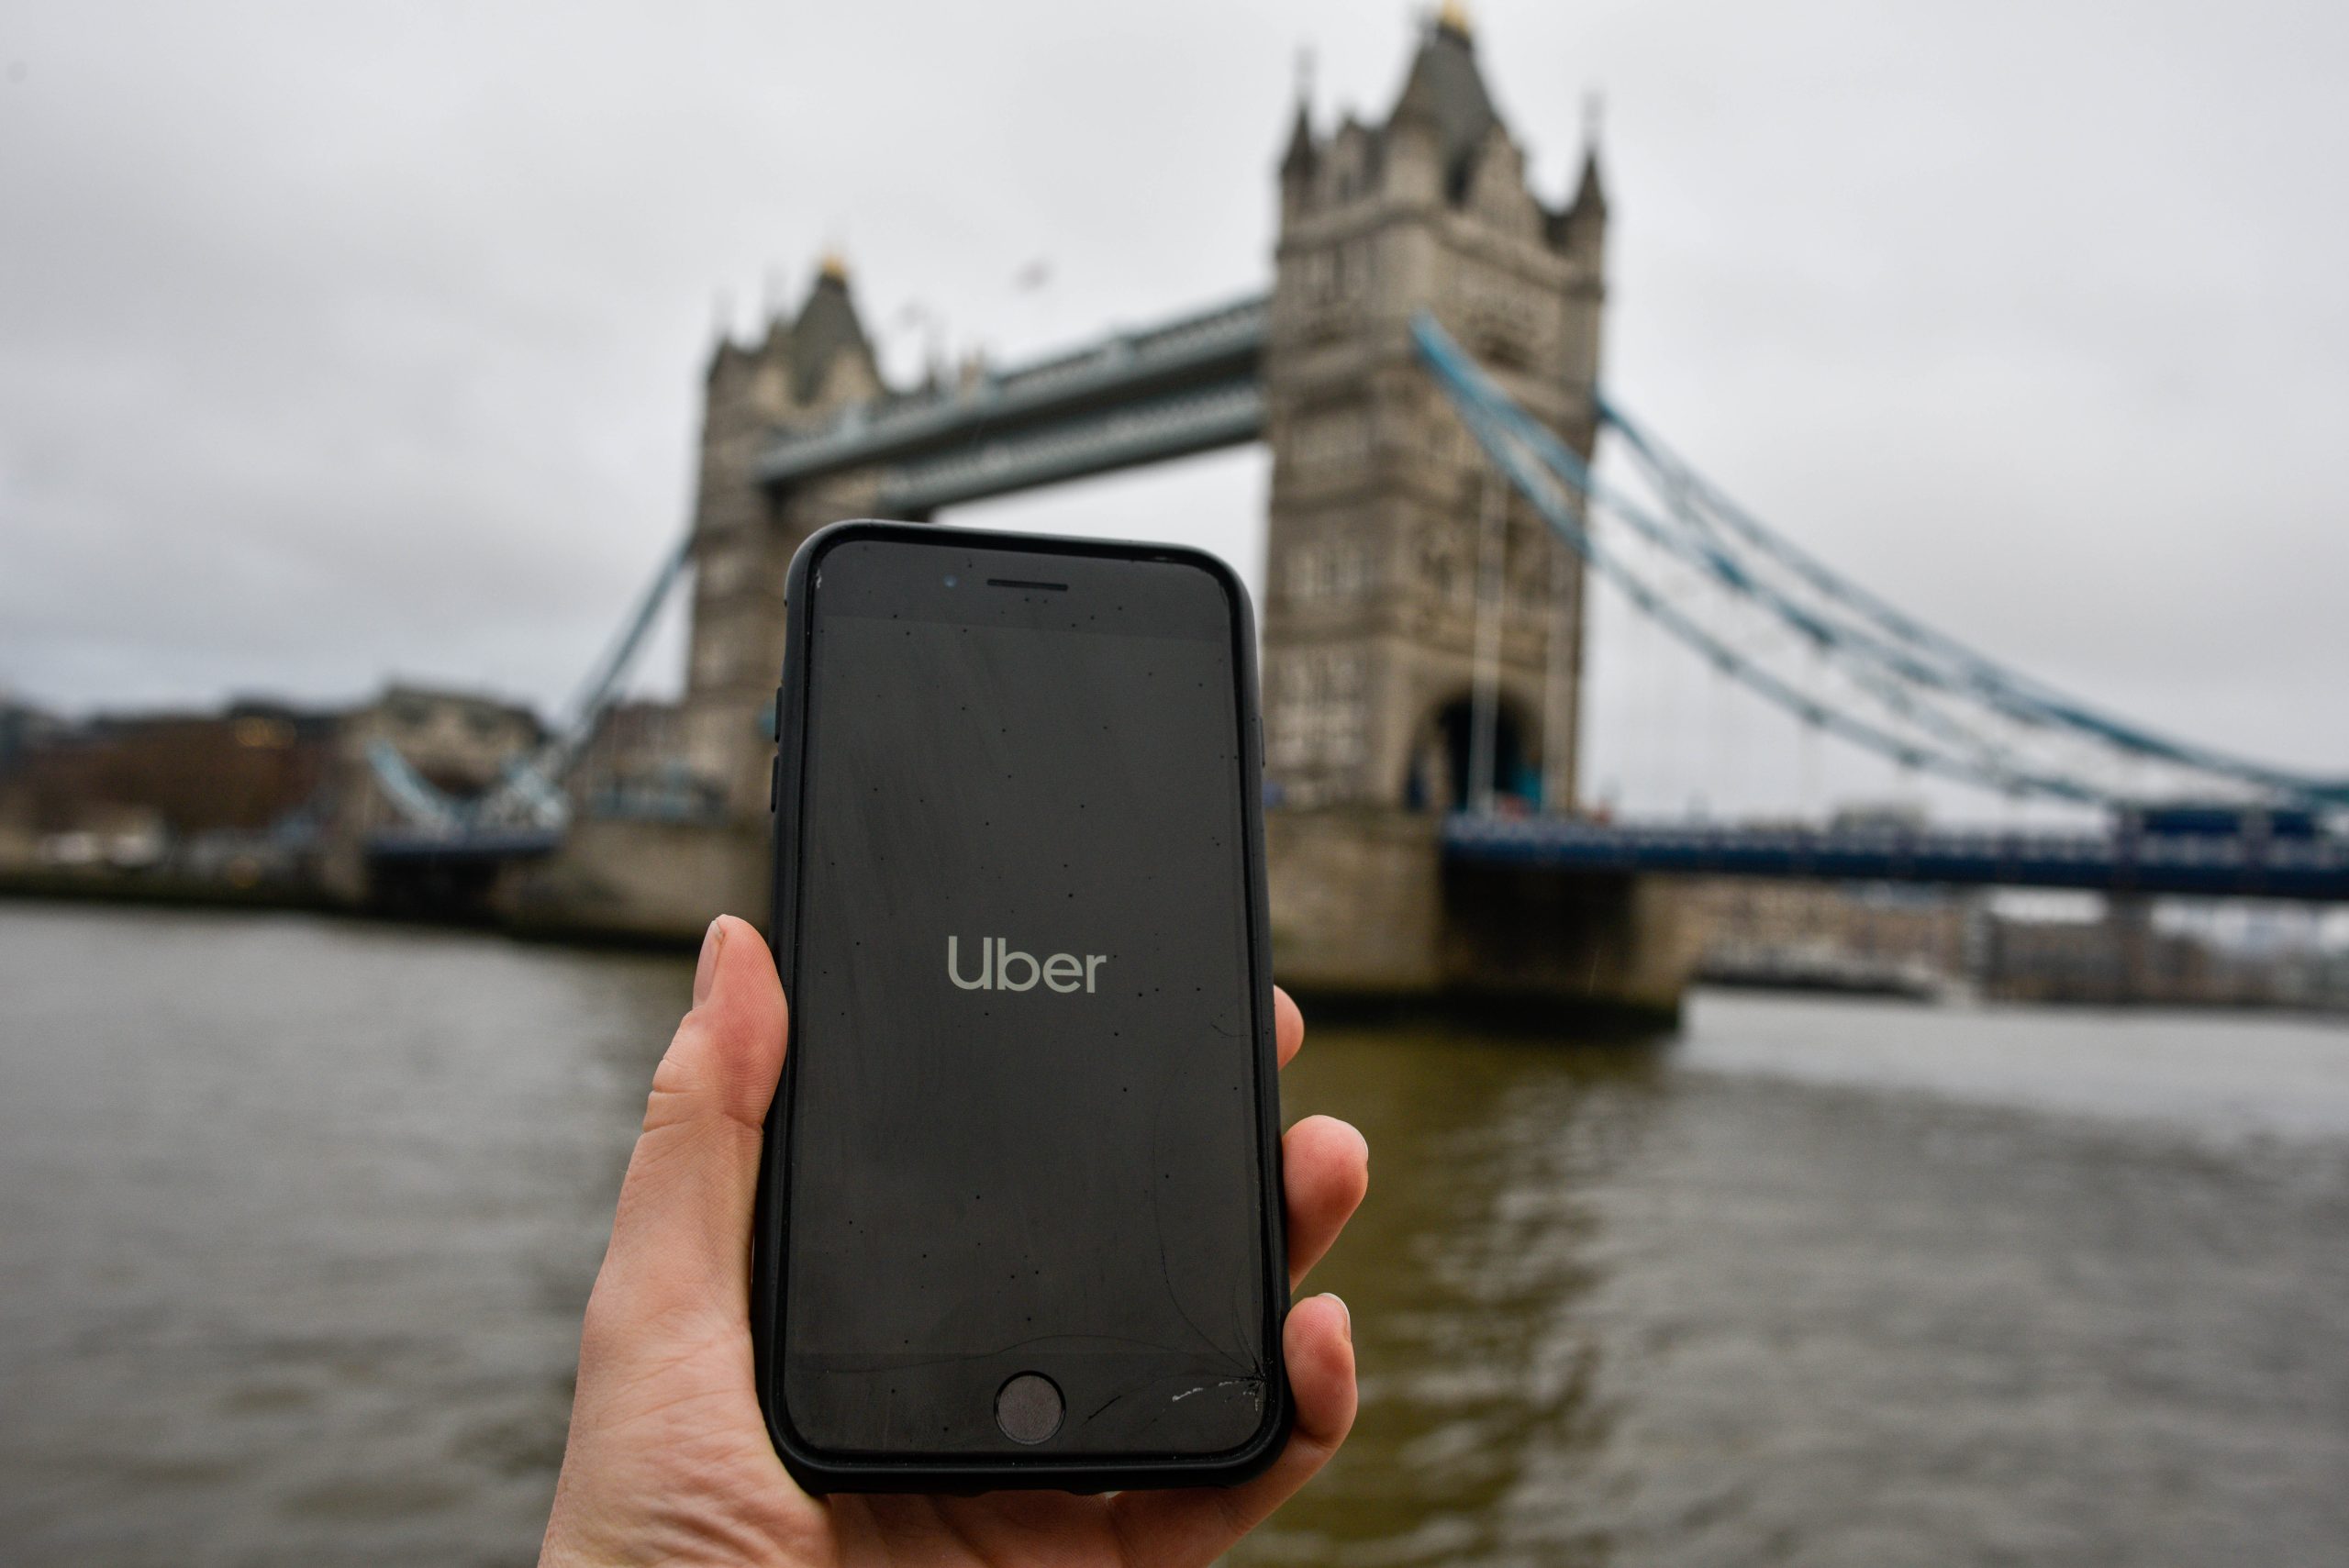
point(774, 783)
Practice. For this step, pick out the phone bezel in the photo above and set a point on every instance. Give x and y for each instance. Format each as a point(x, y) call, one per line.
point(821, 1470)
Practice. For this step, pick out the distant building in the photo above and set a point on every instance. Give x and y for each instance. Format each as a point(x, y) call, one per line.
point(1834, 936)
point(242, 768)
point(247, 791)
point(1929, 941)
point(23, 728)
point(2138, 953)
point(2117, 957)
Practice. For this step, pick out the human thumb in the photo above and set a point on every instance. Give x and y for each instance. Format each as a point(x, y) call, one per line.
point(681, 1239)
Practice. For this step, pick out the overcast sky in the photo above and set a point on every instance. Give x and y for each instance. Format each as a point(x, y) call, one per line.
point(339, 342)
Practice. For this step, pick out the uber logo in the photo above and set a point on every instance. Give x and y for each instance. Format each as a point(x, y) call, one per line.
point(1062, 972)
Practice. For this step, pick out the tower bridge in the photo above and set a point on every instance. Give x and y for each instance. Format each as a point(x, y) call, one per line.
point(1378, 530)
point(1425, 372)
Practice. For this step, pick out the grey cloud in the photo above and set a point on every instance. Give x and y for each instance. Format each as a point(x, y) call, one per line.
point(339, 341)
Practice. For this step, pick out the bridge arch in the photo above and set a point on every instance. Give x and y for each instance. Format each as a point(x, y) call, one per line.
point(1439, 772)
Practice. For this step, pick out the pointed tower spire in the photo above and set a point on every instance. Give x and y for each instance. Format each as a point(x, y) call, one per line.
point(1446, 90)
point(1581, 224)
point(827, 327)
point(1299, 160)
point(1590, 192)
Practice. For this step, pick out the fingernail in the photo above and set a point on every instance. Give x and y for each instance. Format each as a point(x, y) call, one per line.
point(1345, 1311)
point(706, 972)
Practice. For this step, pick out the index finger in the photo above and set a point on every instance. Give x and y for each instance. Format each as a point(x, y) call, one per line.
point(1288, 1025)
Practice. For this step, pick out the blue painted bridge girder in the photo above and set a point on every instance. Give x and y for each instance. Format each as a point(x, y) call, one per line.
point(1188, 386)
point(2307, 870)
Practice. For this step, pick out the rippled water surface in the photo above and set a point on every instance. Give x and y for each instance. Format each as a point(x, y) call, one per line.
point(296, 1218)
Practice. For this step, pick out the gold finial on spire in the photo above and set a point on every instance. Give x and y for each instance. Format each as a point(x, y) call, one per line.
point(834, 265)
point(1452, 17)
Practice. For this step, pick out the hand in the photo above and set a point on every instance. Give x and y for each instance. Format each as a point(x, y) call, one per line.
point(669, 1459)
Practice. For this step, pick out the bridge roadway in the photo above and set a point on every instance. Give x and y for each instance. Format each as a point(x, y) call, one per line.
point(2306, 870)
point(1192, 385)
point(2309, 869)
point(484, 844)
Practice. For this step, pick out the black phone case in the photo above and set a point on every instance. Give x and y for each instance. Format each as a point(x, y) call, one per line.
point(821, 1470)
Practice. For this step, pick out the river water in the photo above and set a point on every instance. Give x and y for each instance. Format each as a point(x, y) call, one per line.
point(296, 1218)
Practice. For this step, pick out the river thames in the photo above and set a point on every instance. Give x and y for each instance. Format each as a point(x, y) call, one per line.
point(297, 1215)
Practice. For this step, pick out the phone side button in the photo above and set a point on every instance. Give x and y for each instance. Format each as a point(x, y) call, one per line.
point(774, 783)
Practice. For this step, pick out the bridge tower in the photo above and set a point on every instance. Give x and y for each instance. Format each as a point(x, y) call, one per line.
point(1382, 566)
point(807, 366)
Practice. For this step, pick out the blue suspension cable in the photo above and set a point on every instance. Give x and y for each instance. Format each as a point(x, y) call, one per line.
point(1888, 653)
point(1479, 406)
point(2019, 695)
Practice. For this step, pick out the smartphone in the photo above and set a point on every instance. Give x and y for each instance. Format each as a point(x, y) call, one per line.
point(1019, 1219)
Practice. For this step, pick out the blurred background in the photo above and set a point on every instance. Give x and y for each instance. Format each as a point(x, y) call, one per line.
point(1835, 906)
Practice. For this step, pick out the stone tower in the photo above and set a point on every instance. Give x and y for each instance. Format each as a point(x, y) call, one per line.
point(1381, 559)
point(804, 368)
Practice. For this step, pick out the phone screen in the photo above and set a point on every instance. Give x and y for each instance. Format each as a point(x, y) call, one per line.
point(1024, 1137)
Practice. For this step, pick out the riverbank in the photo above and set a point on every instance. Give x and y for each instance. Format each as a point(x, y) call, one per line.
point(161, 888)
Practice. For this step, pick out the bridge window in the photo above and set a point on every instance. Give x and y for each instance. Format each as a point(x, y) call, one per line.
point(1329, 447)
point(1317, 718)
point(1499, 317)
point(1449, 574)
point(1335, 275)
point(1318, 270)
point(1504, 350)
point(1328, 569)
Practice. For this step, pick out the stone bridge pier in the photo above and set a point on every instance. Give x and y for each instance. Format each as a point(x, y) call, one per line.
point(1367, 914)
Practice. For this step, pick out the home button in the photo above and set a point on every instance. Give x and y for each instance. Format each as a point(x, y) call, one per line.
point(1028, 1407)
